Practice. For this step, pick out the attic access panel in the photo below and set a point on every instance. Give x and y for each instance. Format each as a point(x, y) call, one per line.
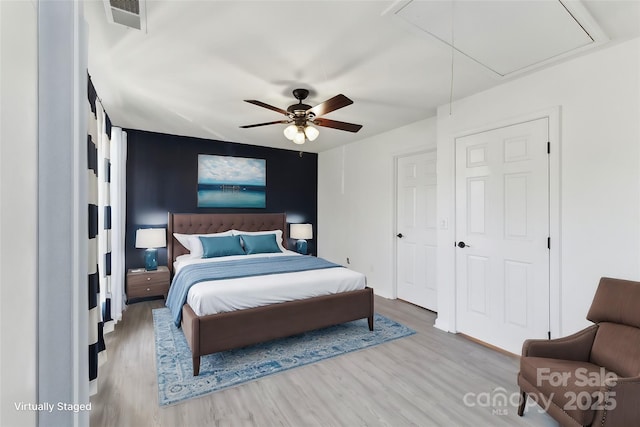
point(506, 37)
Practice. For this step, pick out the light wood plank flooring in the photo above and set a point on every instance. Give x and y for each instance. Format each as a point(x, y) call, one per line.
point(420, 380)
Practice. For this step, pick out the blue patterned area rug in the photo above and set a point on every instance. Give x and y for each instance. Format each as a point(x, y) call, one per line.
point(230, 368)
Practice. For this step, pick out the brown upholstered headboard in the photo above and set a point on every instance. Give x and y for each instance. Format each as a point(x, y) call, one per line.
point(215, 223)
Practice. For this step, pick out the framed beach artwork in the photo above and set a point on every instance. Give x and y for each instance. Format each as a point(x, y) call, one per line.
point(231, 182)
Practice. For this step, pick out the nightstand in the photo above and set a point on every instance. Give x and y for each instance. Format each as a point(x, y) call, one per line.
point(142, 283)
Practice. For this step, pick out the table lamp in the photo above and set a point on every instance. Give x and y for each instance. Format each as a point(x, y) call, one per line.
point(151, 239)
point(301, 232)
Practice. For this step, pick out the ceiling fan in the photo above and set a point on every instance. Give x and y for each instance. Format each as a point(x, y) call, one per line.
point(301, 116)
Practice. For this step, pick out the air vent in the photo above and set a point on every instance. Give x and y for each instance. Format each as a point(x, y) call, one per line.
point(130, 13)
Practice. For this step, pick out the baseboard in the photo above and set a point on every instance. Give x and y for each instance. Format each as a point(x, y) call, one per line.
point(441, 324)
point(491, 346)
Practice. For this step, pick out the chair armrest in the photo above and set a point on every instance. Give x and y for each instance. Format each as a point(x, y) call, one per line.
point(621, 408)
point(572, 347)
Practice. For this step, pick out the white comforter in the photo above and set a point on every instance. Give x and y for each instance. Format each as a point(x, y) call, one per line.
point(219, 296)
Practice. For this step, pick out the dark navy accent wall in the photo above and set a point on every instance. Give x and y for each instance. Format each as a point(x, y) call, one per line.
point(162, 175)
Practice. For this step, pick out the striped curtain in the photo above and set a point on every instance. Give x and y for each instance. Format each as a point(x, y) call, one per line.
point(103, 145)
point(97, 353)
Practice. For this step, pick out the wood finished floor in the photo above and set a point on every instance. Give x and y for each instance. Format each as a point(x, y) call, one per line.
point(420, 380)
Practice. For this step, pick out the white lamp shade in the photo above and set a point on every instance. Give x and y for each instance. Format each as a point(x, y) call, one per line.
point(290, 131)
point(301, 231)
point(299, 137)
point(151, 238)
point(311, 132)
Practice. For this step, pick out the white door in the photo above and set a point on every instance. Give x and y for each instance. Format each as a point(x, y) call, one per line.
point(416, 230)
point(502, 230)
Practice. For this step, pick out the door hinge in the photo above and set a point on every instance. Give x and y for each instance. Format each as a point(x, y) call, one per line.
point(548, 242)
point(548, 147)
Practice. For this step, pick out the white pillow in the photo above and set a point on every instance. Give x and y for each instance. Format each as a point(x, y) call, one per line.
point(192, 243)
point(278, 234)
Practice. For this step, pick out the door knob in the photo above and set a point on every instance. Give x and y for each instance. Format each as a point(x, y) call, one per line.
point(399, 235)
point(463, 245)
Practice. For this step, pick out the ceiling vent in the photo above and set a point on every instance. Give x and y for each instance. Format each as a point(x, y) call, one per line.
point(130, 13)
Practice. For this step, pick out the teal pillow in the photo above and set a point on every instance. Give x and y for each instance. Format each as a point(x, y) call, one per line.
point(260, 244)
point(221, 246)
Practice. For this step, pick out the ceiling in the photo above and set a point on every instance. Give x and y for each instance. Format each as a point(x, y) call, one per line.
point(188, 72)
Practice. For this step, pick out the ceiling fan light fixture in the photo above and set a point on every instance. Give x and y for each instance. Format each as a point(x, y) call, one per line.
point(299, 137)
point(311, 132)
point(300, 117)
point(290, 132)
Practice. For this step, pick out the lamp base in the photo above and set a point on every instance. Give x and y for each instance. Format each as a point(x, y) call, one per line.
point(301, 246)
point(151, 259)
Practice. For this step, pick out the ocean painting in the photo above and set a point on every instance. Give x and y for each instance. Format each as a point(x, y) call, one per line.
point(231, 182)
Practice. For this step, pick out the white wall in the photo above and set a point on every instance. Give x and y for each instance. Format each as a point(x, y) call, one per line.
point(599, 96)
point(18, 209)
point(43, 290)
point(63, 335)
point(356, 201)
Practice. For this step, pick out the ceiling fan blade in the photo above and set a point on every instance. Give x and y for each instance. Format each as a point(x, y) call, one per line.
point(270, 107)
point(349, 127)
point(264, 124)
point(330, 105)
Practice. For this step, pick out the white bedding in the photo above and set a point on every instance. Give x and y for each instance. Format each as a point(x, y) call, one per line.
point(219, 296)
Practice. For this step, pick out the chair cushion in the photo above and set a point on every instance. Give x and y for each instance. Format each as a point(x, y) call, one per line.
point(573, 386)
point(617, 347)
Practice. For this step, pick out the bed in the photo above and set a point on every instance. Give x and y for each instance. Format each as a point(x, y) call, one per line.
point(211, 333)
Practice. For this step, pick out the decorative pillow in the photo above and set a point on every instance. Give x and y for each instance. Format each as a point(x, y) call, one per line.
point(221, 246)
point(260, 244)
point(196, 244)
point(192, 243)
point(277, 233)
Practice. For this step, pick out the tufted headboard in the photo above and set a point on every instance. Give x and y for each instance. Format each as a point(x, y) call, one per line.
point(215, 223)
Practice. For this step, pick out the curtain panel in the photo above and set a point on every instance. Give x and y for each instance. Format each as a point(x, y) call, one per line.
point(97, 347)
point(118, 220)
point(107, 216)
point(103, 145)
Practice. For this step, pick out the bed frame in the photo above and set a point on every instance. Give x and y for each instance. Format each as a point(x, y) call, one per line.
point(226, 331)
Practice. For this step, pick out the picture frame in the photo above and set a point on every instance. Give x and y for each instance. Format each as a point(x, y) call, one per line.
point(231, 182)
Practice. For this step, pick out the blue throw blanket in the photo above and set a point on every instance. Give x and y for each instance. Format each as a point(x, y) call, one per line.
point(195, 273)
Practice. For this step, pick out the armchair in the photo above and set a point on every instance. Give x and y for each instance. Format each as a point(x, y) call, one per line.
point(591, 378)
